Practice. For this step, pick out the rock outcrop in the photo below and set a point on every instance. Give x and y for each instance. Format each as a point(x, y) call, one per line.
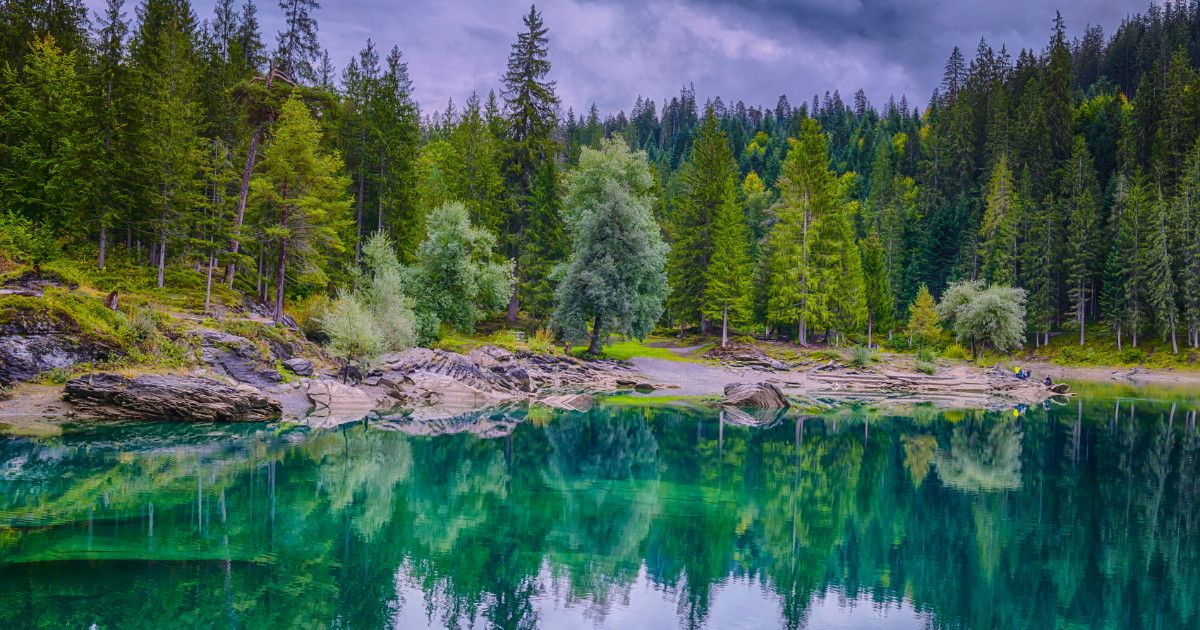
point(754, 396)
point(35, 340)
point(152, 397)
point(299, 366)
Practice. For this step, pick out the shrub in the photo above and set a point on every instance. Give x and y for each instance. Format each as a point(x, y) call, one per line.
point(542, 341)
point(926, 355)
point(861, 356)
point(1132, 355)
point(955, 351)
point(308, 314)
point(352, 330)
point(926, 368)
point(142, 322)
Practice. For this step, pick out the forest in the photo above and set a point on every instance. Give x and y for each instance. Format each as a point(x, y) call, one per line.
point(1063, 180)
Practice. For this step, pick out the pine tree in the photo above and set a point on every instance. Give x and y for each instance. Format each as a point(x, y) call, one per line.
point(301, 186)
point(847, 301)
point(727, 278)
point(807, 195)
point(46, 175)
point(879, 301)
point(705, 180)
point(1134, 229)
point(112, 163)
point(298, 48)
point(1160, 285)
point(531, 107)
point(1081, 237)
point(997, 233)
point(1186, 250)
point(171, 151)
point(544, 245)
point(923, 318)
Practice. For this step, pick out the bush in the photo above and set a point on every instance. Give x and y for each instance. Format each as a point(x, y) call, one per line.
point(142, 322)
point(308, 314)
point(955, 351)
point(352, 330)
point(926, 355)
point(542, 341)
point(1132, 355)
point(861, 356)
point(925, 367)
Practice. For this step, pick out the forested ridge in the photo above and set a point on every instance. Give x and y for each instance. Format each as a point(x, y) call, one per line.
point(160, 136)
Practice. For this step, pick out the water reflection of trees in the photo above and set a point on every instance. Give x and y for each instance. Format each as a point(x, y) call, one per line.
point(1078, 516)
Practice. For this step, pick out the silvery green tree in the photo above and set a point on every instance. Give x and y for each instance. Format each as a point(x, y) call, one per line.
point(460, 276)
point(994, 314)
point(616, 275)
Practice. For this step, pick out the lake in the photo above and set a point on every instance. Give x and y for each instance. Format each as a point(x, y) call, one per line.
point(633, 515)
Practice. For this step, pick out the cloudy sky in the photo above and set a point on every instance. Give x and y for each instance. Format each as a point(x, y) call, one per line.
point(609, 52)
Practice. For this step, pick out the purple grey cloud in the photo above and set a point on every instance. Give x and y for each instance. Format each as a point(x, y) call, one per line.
point(609, 52)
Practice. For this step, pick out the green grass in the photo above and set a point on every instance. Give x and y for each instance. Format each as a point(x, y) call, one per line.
point(1100, 350)
point(625, 350)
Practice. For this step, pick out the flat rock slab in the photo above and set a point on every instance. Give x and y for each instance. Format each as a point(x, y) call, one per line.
point(153, 397)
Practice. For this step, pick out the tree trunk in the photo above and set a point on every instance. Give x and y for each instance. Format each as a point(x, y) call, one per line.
point(162, 240)
point(724, 326)
point(243, 193)
point(279, 275)
point(512, 299)
point(1174, 343)
point(594, 347)
point(208, 282)
point(1118, 337)
point(1134, 336)
point(103, 235)
point(869, 323)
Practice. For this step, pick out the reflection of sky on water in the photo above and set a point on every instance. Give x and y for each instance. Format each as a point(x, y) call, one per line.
point(738, 604)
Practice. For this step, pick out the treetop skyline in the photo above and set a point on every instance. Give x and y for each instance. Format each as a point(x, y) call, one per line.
point(611, 52)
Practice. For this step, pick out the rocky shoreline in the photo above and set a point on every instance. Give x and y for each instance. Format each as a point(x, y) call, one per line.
point(239, 381)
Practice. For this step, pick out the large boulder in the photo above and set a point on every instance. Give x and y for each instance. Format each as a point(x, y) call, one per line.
point(337, 404)
point(154, 397)
point(492, 357)
point(754, 396)
point(299, 366)
point(449, 364)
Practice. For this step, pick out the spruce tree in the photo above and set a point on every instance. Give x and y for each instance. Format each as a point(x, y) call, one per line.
point(998, 240)
point(1081, 237)
point(531, 106)
point(46, 174)
point(879, 301)
point(298, 48)
point(170, 145)
point(706, 179)
point(727, 278)
point(1160, 284)
point(800, 276)
point(1186, 251)
point(301, 187)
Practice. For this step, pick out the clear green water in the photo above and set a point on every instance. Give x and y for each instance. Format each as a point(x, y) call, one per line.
point(624, 517)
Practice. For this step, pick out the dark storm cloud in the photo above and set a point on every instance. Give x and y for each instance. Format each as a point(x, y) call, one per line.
point(751, 50)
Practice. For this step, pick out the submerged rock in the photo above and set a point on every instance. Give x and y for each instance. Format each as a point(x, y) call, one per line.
point(570, 402)
point(153, 397)
point(754, 396)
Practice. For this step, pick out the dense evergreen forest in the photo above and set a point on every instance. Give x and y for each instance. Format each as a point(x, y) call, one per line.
point(158, 136)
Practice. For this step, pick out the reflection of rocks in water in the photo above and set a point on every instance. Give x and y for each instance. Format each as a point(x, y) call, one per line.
point(486, 423)
point(753, 418)
point(982, 463)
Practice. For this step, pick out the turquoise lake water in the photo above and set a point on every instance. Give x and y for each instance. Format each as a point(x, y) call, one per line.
point(1086, 515)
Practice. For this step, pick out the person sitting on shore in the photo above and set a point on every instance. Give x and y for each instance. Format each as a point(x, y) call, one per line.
point(1019, 373)
point(1049, 382)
